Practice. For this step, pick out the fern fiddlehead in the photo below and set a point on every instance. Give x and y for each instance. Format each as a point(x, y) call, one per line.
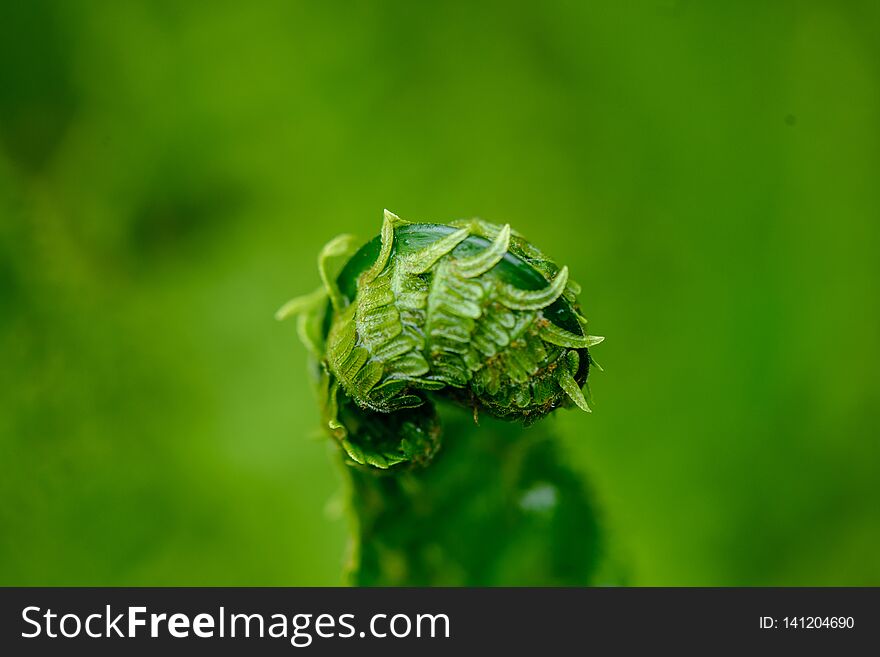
point(423, 318)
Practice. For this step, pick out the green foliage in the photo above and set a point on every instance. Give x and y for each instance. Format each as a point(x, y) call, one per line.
point(168, 171)
point(498, 506)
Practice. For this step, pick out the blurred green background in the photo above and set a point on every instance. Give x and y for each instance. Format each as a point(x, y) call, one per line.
point(169, 171)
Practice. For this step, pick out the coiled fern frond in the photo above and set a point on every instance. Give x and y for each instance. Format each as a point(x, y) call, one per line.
point(424, 318)
point(469, 312)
